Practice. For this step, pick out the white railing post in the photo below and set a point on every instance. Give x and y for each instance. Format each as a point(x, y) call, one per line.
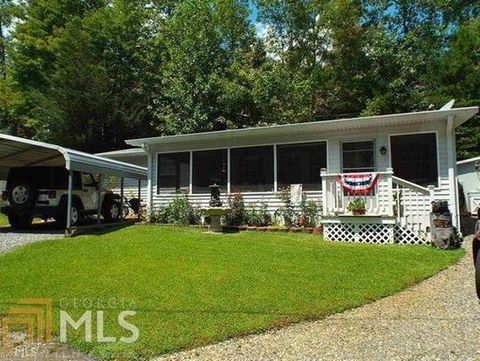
point(390, 198)
point(323, 173)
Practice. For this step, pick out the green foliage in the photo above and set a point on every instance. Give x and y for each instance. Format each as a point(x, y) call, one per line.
point(286, 214)
point(236, 216)
point(179, 212)
point(309, 212)
point(357, 205)
point(258, 216)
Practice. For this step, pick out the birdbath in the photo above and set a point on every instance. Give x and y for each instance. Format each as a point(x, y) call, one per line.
point(215, 211)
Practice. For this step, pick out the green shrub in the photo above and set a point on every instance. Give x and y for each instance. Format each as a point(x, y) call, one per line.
point(179, 212)
point(309, 212)
point(236, 216)
point(286, 214)
point(258, 217)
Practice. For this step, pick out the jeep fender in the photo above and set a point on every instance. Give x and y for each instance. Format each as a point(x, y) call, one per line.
point(75, 199)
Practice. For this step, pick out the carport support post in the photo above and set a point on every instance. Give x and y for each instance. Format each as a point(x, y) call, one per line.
point(69, 199)
point(99, 199)
point(122, 183)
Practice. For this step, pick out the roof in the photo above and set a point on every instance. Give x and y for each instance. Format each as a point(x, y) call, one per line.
point(123, 153)
point(465, 161)
point(460, 115)
point(21, 152)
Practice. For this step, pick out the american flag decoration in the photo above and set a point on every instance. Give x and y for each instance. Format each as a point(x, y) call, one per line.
point(358, 184)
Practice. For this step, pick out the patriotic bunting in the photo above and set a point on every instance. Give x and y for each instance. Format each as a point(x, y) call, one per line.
point(358, 184)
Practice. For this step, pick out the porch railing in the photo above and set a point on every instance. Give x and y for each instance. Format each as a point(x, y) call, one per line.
point(413, 204)
point(378, 202)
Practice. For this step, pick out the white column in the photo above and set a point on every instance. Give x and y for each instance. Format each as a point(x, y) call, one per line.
point(190, 176)
point(275, 167)
point(389, 194)
point(452, 170)
point(229, 189)
point(150, 165)
point(323, 173)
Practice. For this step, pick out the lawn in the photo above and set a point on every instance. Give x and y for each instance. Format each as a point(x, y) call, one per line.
point(190, 288)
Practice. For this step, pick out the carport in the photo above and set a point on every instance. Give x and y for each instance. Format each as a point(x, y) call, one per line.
point(21, 152)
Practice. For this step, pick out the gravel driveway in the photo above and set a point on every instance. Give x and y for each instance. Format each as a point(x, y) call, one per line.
point(439, 319)
point(10, 239)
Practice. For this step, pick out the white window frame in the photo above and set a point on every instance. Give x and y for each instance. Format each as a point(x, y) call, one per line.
point(374, 141)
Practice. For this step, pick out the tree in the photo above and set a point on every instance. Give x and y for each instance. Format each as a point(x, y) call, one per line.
point(207, 46)
point(458, 77)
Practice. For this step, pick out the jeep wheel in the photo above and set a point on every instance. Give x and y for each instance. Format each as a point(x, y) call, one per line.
point(111, 211)
point(75, 218)
point(20, 222)
point(21, 195)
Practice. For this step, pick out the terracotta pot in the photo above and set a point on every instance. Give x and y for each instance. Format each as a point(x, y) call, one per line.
point(359, 212)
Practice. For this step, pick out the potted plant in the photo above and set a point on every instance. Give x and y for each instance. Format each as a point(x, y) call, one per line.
point(357, 207)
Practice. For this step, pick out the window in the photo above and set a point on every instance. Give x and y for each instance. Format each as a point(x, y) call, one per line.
point(209, 167)
point(358, 157)
point(252, 169)
point(414, 158)
point(173, 172)
point(301, 164)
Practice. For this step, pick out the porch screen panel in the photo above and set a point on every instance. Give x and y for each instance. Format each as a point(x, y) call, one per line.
point(301, 164)
point(358, 157)
point(173, 172)
point(209, 167)
point(414, 158)
point(252, 169)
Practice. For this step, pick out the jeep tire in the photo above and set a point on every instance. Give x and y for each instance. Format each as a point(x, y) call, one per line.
point(21, 195)
point(76, 214)
point(111, 210)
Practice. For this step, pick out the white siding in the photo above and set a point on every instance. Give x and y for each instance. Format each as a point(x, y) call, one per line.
point(380, 135)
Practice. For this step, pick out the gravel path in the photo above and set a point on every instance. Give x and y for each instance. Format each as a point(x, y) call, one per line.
point(10, 239)
point(439, 319)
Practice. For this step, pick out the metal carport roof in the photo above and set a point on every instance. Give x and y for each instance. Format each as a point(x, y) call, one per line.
point(21, 152)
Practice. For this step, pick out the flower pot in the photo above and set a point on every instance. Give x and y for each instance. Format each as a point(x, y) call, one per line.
point(359, 212)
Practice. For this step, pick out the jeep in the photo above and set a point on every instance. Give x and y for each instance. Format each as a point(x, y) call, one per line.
point(43, 192)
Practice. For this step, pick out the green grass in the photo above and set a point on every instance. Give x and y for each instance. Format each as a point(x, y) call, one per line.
point(189, 288)
point(3, 220)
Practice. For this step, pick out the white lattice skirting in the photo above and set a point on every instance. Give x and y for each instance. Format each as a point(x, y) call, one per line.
point(371, 233)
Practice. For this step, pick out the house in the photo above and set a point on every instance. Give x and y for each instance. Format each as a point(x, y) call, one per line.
point(469, 181)
point(411, 156)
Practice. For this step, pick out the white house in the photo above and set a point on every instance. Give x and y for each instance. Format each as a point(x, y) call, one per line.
point(412, 155)
point(469, 179)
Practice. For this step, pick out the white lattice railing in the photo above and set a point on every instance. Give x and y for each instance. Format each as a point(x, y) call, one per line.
point(413, 204)
point(379, 201)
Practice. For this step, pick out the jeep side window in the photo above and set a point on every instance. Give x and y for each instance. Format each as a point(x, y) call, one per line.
point(88, 180)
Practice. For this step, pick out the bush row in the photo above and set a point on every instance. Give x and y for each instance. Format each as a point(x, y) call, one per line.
point(181, 212)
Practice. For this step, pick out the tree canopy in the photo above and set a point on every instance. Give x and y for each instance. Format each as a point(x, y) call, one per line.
point(89, 74)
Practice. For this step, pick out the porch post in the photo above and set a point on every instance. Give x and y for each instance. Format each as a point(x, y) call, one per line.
point(150, 164)
point(452, 180)
point(69, 199)
point(275, 168)
point(99, 198)
point(390, 202)
point(323, 173)
point(122, 183)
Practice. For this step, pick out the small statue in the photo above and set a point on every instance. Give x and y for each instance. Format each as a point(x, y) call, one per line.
point(215, 195)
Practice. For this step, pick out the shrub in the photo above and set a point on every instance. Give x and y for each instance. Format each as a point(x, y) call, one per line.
point(179, 212)
point(236, 216)
point(258, 217)
point(286, 214)
point(309, 212)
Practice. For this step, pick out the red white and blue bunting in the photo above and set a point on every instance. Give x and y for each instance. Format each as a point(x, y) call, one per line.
point(358, 184)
